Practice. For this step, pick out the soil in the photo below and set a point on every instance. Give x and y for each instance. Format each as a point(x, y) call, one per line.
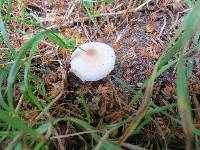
point(145, 37)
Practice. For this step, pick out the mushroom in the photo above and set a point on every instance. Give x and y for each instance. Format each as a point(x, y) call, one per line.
point(92, 61)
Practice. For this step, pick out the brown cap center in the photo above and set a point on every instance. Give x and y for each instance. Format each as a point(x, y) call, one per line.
point(90, 52)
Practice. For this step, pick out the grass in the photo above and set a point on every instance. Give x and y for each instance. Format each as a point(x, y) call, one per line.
point(17, 74)
point(183, 98)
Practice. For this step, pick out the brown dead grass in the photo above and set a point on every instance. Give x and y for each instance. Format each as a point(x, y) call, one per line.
point(144, 36)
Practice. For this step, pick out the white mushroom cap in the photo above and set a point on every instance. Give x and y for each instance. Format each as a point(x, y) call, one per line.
point(92, 61)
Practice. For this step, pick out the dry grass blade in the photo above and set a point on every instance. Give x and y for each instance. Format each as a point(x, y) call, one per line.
point(183, 100)
point(158, 66)
point(132, 147)
point(73, 134)
point(143, 109)
point(45, 106)
point(101, 141)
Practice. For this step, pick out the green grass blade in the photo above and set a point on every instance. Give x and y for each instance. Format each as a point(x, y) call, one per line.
point(155, 110)
point(189, 3)
point(197, 142)
point(9, 10)
point(190, 23)
point(26, 73)
point(86, 108)
point(18, 124)
point(22, 20)
point(70, 43)
point(14, 141)
point(190, 67)
point(39, 145)
point(39, 86)
point(2, 26)
point(18, 146)
point(123, 83)
point(90, 10)
point(159, 109)
point(142, 110)
point(35, 16)
point(183, 101)
point(45, 125)
point(101, 141)
point(118, 124)
point(16, 66)
point(143, 123)
point(1, 5)
point(3, 73)
point(139, 94)
point(5, 36)
point(133, 147)
point(196, 38)
point(107, 144)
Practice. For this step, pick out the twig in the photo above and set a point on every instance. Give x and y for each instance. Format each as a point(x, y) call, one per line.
point(19, 103)
point(132, 147)
point(197, 105)
point(128, 8)
point(85, 30)
point(36, 56)
point(177, 17)
point(68, 12)
point(60, 143)
point(101, 141)
point(49, 131)
point(120, 35)
point(159, 129)
point(73, 134)
point(4, 48)
point(142, 5)
point(163, 27)
point(123, 11)
point(47, 108)
point(118, 13)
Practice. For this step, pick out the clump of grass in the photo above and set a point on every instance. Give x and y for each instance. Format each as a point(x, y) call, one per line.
point(189, 25)
point(16, 132)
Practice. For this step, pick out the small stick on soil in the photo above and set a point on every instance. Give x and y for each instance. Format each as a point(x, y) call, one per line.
point(49, 106)
point(60, 143)
point(128, 8)
point(177, 18)
point(68, 12)
point(197, 105)
point(24, 59)
point(73, 134)
point(163, 27)
point(120, 35)
point(118, 13)
point(19, 103)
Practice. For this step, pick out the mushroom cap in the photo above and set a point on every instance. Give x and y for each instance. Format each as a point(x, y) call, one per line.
point(92, 61)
